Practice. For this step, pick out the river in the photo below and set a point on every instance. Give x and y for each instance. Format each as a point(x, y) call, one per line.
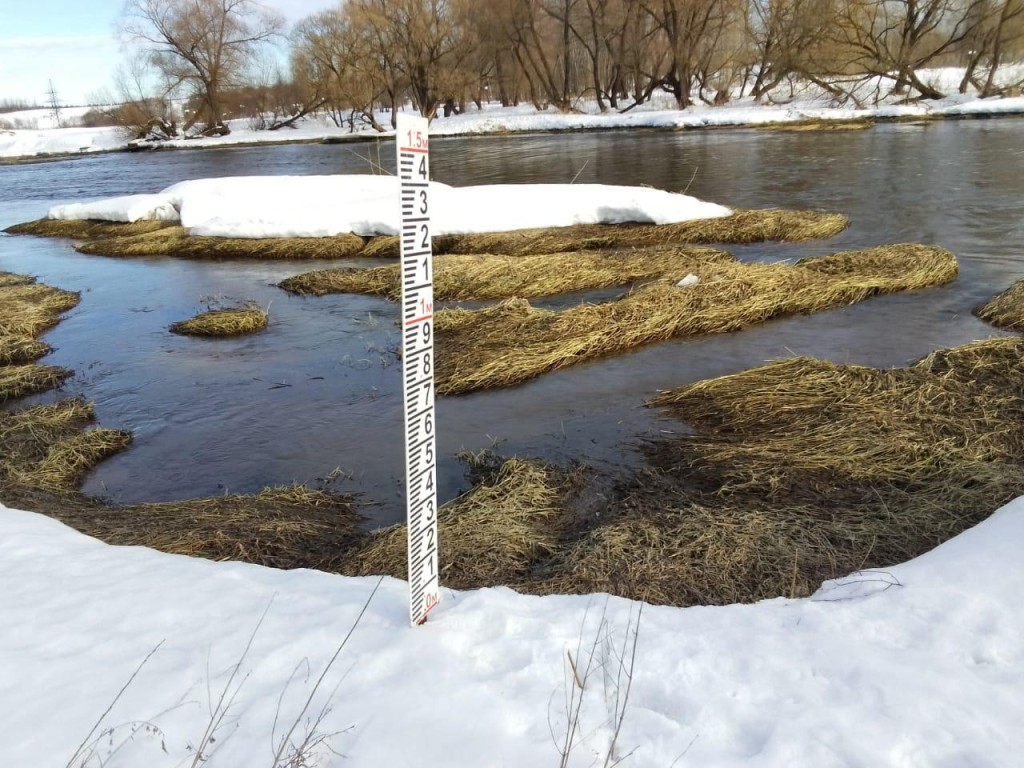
point(316, 397)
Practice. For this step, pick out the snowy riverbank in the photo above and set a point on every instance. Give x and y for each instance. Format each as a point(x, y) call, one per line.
point(920, 665)
point(45, 141)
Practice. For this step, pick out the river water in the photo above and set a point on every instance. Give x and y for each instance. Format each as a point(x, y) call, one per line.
point(316, 398)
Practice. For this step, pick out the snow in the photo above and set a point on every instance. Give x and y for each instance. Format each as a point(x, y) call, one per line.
point(321, 206)
point(920, 665)
point(803, 103)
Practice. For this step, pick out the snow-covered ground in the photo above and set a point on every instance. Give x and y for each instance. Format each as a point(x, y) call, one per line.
point(918, 666)
point(321, 206)
point(802, 105)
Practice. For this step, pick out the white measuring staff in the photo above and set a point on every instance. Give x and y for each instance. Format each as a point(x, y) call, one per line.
point(418, 364)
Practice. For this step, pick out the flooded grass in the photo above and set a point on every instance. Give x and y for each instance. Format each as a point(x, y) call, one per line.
point(46, 450)
point(231, 321)
point(1006, 310)
point(488, 276)
point(27, 309)
point(513, 342)
point(802, 471)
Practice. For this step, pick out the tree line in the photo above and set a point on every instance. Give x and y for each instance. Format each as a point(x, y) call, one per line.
point(365, 58)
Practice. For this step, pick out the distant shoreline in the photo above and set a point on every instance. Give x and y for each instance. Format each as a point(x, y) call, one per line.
point(816, 122)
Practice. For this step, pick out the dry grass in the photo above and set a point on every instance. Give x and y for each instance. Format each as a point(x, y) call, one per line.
point(69, 459)
point(28, 308)
point(819, 125)
point(477, 277)
point(85, 229)
point(512, 342)
point(175, 241)
point(232, 321)
point(741, 227)
point(497, 533)
point(290, 527)
point(22, 380)
point(1006, 310)
point(16, 349)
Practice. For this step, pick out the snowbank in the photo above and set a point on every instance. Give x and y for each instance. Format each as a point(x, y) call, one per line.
point(321, 206)
point(921, 665)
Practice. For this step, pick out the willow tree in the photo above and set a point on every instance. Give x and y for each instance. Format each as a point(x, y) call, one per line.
point(201, 47)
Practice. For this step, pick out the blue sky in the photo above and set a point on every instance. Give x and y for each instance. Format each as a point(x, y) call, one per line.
point(74, 43)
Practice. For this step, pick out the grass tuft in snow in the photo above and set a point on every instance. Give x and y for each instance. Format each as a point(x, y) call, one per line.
point(1006, 310)
point(479, 277)
point(175, 241)
point(231, 321)
point(512, 342)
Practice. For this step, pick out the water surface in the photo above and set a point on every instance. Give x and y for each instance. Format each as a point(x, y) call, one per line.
point(317, 395)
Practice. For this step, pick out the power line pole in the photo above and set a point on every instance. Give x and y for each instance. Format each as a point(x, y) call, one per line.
point(54, 106)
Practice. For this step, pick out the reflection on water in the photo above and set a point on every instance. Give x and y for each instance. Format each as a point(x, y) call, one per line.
point(320, 388)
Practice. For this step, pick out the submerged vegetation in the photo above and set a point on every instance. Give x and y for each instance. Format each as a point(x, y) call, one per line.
point(513, 342)
point(228, 321)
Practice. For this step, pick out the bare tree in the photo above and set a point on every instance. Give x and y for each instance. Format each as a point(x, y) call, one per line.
point(334, 58)
point(202, 46)
point(893, 39)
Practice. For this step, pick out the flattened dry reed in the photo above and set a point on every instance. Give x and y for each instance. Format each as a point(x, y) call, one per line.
point(232, 321)
point(18, 349)
point(512, 342)
point(85, 229)
point(175, 241)
point(28, 308)
point(743, 226)
point(478, 277)
point(22, 380)
point(819, 125)
point(1006, 310)
point(69, 459)
point(495, 534)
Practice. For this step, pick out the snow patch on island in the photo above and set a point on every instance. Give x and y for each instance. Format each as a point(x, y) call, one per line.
point(322, 206)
